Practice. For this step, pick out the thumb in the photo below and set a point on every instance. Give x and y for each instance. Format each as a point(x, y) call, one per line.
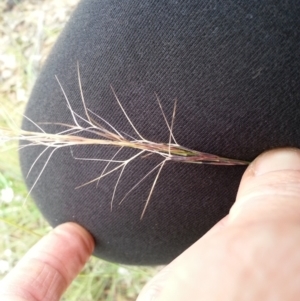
point(270, 189)
point(234, 263)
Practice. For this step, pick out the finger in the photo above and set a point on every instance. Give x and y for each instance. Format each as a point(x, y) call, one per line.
point(270, 189)
point(180, 266)
point(49, 267)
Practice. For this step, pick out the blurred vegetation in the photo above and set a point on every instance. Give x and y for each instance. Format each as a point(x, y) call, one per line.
point(28, 30)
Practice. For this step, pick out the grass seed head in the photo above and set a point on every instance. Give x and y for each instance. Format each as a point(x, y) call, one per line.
point(106, 134)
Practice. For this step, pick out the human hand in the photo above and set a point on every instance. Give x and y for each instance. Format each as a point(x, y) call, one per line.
point(250, 255)
point(49, 267)
point(254, 252)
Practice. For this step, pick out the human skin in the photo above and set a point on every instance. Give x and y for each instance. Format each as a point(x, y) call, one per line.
point(252, 254)
point(49, 267)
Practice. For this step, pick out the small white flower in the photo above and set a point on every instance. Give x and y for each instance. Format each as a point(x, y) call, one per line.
point(4, 266)
point(6, 195)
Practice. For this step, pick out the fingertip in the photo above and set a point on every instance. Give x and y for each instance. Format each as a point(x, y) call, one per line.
point(49, 267)
point(270, 186)
point(274, 160)
point(277, 160)
point(72, 230)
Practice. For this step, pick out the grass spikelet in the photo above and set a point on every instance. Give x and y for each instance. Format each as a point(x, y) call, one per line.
point(107, 134)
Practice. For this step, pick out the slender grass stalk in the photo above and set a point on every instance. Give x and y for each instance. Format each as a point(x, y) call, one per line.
point(107, 134)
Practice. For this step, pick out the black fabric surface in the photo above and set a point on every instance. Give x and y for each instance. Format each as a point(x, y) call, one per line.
point(234, 68)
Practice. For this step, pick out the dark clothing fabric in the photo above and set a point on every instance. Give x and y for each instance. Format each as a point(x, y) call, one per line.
point(234, 67)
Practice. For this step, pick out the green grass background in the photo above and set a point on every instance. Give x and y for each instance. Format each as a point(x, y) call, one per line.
point(28, 30)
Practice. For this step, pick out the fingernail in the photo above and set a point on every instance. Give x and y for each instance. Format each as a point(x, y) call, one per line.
point(276, 160)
